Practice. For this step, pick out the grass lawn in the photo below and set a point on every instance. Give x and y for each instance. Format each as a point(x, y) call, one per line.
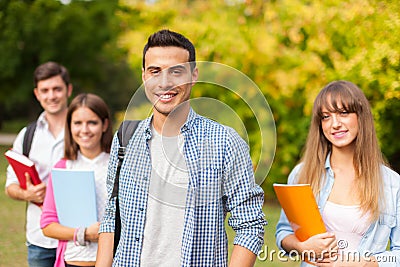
point(12, 224)
point(12, 229)
point(272, 212)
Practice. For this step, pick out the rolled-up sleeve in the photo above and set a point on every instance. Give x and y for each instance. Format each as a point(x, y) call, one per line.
point(244, 198)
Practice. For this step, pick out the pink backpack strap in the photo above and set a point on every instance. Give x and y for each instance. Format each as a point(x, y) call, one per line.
point(62, 164)
point(49, 215)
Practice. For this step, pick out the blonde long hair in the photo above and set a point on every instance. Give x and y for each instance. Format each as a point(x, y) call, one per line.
point(367, 160)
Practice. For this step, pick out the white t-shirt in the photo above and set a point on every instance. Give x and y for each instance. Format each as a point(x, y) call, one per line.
point(165, 213)
point(347, 222)
point(99, 165)
point(46, 151)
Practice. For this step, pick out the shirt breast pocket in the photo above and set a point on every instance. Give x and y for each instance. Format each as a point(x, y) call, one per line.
point(385, 224)
point(209, 184)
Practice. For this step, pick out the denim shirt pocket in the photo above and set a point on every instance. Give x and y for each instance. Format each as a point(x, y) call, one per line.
point(385, 224)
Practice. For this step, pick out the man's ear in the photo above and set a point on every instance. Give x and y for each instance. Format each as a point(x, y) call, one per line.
point(195, 75)
point(69, 90)
point(36, 93)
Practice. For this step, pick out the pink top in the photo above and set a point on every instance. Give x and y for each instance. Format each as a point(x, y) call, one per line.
point(347, 222)
point(49, 215)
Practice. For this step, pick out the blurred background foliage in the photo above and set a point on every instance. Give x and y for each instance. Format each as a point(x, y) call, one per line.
point(289, 48)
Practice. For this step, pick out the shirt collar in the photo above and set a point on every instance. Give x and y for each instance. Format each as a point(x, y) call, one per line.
point(328, 166)
point(42, 121)
point(192, 117)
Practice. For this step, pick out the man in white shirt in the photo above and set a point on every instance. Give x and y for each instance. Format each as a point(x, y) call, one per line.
point(52, 89)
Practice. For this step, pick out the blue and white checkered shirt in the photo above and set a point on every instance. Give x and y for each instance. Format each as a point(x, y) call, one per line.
point(221, 180)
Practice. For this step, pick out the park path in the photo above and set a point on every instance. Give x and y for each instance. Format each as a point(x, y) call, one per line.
point(7, 139)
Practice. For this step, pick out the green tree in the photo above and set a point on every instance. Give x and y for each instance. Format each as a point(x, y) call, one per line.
point(81, 35)
point(290, 49)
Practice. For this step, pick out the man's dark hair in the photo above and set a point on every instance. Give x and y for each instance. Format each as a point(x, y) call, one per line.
point(164, 38)
point(48, 70)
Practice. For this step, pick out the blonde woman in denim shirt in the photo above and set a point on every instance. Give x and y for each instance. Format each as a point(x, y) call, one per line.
point(357, 194)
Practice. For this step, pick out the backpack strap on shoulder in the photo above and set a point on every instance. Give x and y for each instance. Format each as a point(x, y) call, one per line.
point(125, 133)
point(27, 143)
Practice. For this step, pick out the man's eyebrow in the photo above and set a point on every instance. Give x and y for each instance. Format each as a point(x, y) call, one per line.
point(153, 68)
point(177, 67)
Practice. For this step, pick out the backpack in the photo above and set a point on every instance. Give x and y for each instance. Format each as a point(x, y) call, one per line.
point(27, 143)
point(125, 132)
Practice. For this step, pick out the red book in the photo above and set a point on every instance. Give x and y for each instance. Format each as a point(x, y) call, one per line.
point(22, 164)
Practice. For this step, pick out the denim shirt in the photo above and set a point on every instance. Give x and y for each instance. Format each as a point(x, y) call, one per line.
point(375, 239)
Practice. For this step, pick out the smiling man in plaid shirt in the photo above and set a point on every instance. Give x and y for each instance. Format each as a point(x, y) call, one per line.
point(181, 174)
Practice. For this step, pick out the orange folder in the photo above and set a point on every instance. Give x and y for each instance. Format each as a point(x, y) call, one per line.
point(301, 209)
